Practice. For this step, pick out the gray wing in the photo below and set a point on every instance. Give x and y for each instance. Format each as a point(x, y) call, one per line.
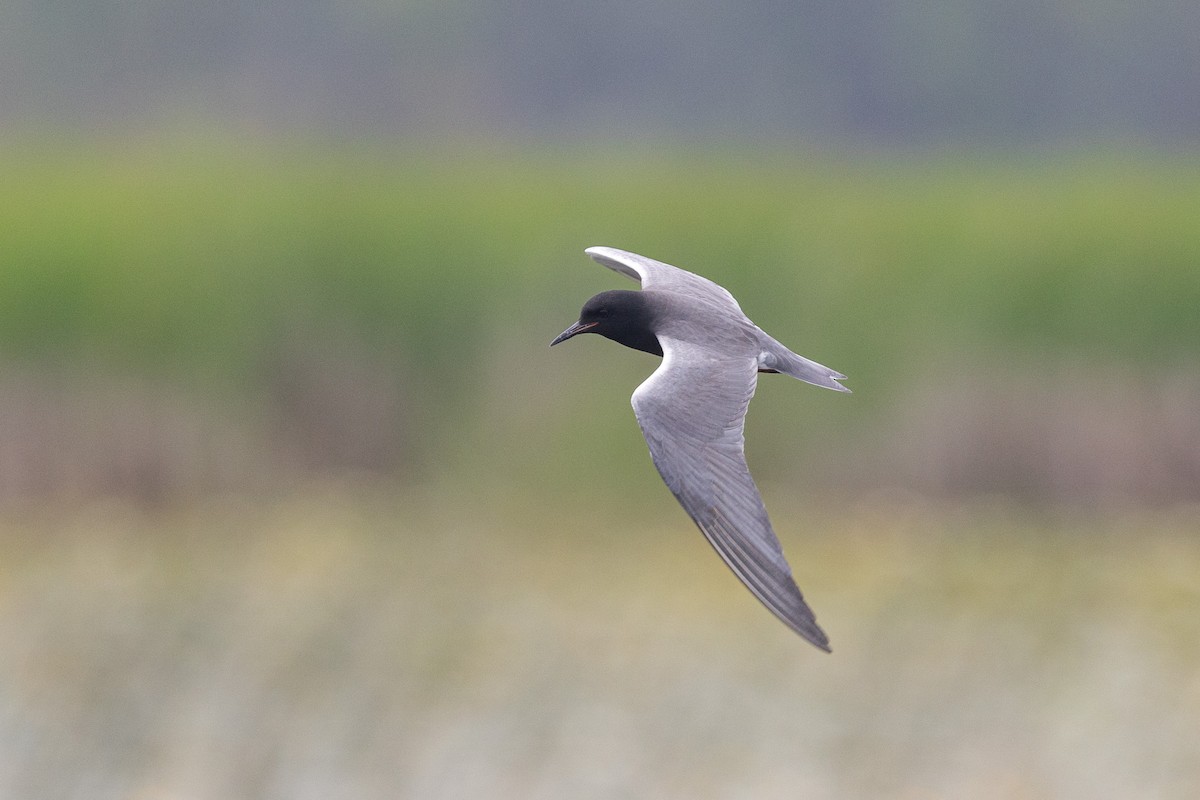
point(657, 275)
point(692, 412)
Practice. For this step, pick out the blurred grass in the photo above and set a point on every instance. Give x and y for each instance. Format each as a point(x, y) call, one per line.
point(523, 612)
point(344, 308)
point(353, 644)
point(196, 255)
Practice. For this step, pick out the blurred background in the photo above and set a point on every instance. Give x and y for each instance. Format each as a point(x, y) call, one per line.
point(295, 501)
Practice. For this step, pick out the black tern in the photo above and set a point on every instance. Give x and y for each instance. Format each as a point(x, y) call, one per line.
point(692, 411)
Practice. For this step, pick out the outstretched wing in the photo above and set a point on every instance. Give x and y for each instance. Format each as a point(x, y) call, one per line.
point(657, 275)
point(692, 412)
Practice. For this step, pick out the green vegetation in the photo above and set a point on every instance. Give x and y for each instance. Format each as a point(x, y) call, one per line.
point(252, 279)
point(493, 623)
point(201, 255)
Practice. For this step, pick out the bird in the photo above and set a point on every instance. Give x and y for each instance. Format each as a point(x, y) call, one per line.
point(692, 411)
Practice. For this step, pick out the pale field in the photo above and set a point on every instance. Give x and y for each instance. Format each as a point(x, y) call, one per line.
point(347, 644)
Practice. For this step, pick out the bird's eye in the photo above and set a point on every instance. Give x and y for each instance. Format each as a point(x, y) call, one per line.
point(603, 312)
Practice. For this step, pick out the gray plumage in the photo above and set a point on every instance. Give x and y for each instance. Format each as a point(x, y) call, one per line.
point(692, 411)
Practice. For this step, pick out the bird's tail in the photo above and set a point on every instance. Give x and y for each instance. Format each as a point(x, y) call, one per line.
point(780, 359)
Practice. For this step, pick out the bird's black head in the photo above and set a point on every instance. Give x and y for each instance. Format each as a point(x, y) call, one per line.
point(624, 317)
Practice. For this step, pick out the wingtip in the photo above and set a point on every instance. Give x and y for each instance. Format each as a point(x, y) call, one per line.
point(604, 255)
point(805, 624)
point(817, 639)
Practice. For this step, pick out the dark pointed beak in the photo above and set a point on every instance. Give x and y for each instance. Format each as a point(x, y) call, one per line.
point(578, 327)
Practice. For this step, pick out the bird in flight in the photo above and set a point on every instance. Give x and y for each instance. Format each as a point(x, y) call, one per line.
point(692, 411)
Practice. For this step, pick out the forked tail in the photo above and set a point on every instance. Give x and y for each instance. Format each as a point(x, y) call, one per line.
point(780, 359)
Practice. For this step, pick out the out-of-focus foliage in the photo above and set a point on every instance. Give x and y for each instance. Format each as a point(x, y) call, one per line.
point(295, 501)
point(346, 645)
point(389, 309)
